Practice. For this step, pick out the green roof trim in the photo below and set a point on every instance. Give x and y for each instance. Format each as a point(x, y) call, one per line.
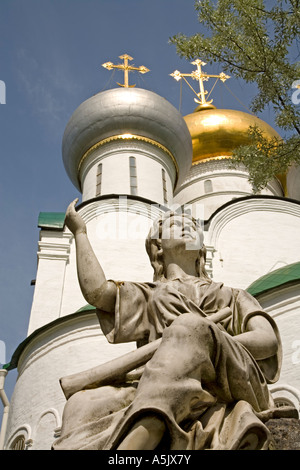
point(279, 277)
point(86, 308)
point(6, 366)
point(51, 220)
point(13, 364)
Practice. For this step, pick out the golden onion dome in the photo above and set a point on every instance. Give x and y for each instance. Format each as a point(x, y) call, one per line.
point(217, 132)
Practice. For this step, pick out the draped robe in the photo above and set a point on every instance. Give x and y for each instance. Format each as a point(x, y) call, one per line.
point(205, 386)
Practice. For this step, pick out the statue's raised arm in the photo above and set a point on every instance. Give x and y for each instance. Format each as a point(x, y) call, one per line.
point(95, 289)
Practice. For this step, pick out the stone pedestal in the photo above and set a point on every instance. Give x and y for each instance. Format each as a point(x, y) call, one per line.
point(285, 433)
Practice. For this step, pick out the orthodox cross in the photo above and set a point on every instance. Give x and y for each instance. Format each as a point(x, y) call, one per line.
point(126, 67)
point(201, 77)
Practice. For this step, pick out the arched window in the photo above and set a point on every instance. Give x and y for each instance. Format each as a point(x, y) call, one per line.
point(283, 401)
point(99, 180)
point(18, 443)
point(164, 183)
point(133, 177)
point(2, 92)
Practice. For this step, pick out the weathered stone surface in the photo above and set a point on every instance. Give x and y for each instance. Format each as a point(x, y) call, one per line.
point(285, 433)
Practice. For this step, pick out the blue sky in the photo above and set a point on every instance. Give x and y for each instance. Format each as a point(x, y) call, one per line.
point(51, 53)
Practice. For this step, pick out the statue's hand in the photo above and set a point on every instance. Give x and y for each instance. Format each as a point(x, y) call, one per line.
point(73, 220)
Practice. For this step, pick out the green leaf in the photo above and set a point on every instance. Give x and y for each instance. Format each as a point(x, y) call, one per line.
point(254, 42)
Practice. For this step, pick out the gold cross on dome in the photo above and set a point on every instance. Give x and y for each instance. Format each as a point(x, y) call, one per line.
point(127, 68)
point(201, 77)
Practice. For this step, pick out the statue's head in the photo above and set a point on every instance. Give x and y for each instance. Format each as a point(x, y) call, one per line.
point(161, 229)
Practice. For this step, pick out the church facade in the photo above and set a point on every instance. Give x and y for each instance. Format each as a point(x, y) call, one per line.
point(133, 156)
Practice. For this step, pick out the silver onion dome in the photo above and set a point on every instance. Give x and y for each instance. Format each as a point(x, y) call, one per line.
point(120, 111)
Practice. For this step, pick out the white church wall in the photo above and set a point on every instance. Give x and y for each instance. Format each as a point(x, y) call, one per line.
point(117, 230)
point(72, 345)
point(293, 186)
point(53, 255)
point(253, 237)
point(115, 179)
point(214, 183)
point(120, 259)
point(283, 304)
point(149, 179)
point(72, 298)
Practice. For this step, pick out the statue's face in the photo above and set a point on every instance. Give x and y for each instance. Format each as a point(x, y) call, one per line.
point(180, 232)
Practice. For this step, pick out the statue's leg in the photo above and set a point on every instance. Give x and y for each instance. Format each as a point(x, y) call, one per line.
point(89, 417)
point(170, 384)
point(145, 434)
point(195, 365)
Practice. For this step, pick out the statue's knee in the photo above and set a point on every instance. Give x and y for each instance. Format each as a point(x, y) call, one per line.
point(154, 424)
point(188, 325)
point(191, 320)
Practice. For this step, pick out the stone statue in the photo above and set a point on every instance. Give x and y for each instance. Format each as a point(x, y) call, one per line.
point(206, 352)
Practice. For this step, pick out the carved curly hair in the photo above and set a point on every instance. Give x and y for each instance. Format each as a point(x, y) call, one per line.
point(156, 255)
